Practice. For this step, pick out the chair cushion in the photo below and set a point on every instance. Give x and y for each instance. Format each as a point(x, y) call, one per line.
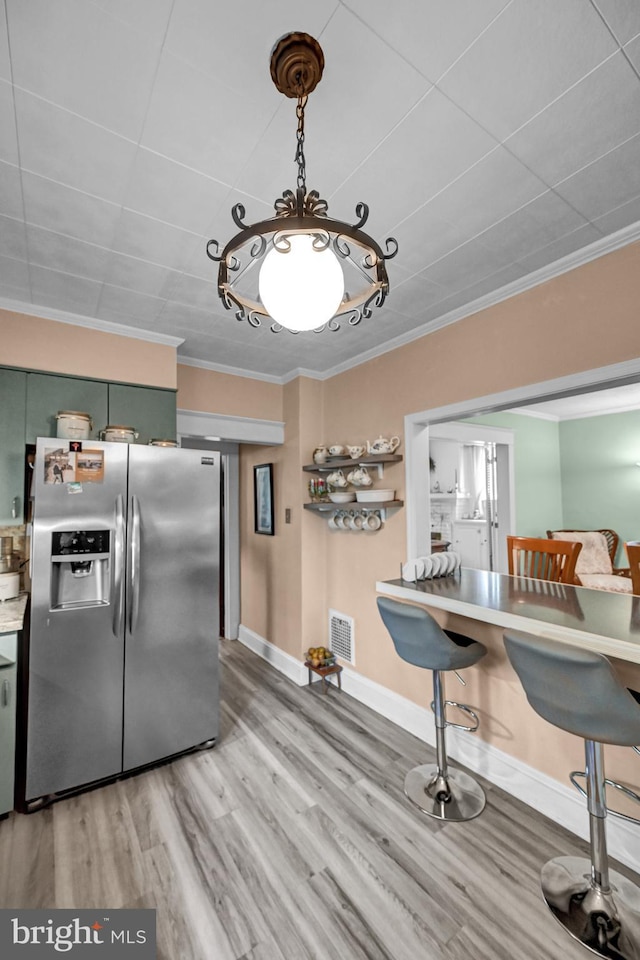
point(594, 556)
point(603, 581)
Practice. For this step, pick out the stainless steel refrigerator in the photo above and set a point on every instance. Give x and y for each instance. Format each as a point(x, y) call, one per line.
point(121, 666)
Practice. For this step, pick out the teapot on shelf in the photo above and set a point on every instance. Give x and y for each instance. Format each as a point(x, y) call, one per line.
point(360, 477)
point(382, 445)
point(337, 479)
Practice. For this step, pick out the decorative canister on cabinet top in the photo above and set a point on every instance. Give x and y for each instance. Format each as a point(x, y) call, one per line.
point(73, 425)
point(119, 434)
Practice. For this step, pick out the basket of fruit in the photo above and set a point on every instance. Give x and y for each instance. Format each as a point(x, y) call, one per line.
point(320, 657)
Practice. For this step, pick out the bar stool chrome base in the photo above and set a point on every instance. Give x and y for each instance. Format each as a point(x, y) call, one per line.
point(608, 923)
point(454, 798)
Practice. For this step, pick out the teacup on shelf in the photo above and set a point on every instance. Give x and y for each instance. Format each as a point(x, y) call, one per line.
point(359, 477)
point(372, 521)
point(337, 479)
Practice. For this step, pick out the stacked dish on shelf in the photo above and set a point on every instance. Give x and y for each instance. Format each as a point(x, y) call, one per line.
point(426, 568)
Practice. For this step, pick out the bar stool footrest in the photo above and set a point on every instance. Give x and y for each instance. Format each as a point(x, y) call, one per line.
point(631, 794)
point(456, 797)
point(607, 922)
point(466, 709)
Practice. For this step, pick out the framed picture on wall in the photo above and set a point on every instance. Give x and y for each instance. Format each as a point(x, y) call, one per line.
point(263, 498)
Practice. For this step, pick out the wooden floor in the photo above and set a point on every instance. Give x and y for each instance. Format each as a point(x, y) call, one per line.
point(292, 839)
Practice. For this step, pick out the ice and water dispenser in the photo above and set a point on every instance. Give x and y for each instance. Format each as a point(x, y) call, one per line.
point(79, 568)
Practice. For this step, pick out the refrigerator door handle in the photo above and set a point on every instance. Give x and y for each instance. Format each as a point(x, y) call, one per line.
point(118, 565)
point(135, 564)
point(6, 693)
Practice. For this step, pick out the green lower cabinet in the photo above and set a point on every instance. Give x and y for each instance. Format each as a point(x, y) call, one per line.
point(8, 653)
point(13, 391)
point(48, 394)
point(149, 410)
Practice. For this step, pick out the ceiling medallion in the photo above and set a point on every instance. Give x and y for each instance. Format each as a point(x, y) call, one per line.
point(306, 261)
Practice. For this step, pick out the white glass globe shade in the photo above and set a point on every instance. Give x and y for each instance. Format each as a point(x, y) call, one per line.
point(303, 288)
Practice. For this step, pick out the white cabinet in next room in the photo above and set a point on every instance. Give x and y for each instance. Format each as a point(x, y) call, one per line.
point(471, 541)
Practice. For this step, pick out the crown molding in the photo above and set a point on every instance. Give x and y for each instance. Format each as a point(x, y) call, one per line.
point(607, 410)
point(92, 323)
point(536, 414)
point(603, 411)
point(232, 371)
point(251, 374)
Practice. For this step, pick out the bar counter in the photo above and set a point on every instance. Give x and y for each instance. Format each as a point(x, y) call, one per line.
point(597, 620)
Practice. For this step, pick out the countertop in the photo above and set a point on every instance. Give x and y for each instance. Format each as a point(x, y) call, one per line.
point(12, 613)
point(597, 620)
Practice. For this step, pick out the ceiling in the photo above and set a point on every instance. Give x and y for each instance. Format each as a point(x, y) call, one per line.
point(491, 139)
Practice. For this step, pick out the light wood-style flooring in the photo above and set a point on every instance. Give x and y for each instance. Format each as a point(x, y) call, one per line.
point(292, 839)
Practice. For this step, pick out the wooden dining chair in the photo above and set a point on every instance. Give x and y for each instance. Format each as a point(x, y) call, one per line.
point(543, 559)
point(633, 552)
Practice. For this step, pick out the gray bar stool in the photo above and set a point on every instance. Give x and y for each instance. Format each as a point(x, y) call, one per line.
point(578, 691)
point(438, 791)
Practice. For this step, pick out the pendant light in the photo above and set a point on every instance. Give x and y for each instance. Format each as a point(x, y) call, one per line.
point(312, 271)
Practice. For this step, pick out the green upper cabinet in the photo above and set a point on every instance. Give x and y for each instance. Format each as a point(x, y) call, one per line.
point(48, 394)
point(29, 403)
point(13, 390)
point(149, 410)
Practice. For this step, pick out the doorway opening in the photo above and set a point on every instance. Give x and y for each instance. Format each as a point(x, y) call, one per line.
point(229, 592)
point(471, 492)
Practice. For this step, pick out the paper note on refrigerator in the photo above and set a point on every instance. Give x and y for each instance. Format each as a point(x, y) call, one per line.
point(59, 465)
point(90, 466)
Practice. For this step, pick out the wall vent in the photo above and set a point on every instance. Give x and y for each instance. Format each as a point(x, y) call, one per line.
point(341, 635)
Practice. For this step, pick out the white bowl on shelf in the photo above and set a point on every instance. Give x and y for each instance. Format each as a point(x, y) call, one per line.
point(374, 496)
point(342, 496)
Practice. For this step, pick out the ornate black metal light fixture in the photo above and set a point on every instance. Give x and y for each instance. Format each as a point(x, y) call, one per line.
point(306, 260)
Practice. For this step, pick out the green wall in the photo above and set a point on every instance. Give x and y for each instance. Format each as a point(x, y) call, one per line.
point(575, 474)
point(537, 477)
point(600, 476)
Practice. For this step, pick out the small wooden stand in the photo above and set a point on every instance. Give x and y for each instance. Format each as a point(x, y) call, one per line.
point(325, 672)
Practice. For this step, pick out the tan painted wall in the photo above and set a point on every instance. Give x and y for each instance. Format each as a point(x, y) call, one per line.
point(38, 344)
point(587, 318)
point(271, 584)
point(213, 392)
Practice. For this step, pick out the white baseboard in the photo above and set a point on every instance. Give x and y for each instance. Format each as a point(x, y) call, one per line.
point(554, 800)
point(283, 662)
